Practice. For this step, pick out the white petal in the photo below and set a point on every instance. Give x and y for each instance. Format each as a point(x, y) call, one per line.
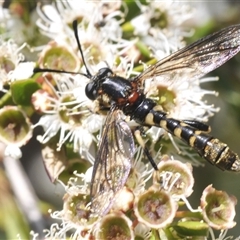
point(22, 71)
point(51, 13)
point(88, 175)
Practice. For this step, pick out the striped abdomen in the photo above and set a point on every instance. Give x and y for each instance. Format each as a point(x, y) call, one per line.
point(216, 152)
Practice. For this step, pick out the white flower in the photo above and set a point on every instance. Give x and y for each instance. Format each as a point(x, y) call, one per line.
point(160, 25)
point(54, 22)
point(69, 115)
point(184, 97)
point(11, 65)
point(51, 24)
point(101, 45)
point(75, 211)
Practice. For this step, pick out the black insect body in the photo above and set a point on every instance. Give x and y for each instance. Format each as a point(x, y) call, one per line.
point(116, 149)
point(129, 98)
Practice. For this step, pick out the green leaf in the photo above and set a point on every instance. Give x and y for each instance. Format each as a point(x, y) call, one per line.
point(191, 228)
point(22, 91)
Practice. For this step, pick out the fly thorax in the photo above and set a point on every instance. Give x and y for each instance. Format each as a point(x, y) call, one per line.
point(117, 88)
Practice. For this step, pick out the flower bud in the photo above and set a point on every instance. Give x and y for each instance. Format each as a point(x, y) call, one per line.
point(123, 200)
point(115, 226)
point(59, 56)
point(76, 207)
point(174, 177)
point(218, 208)
point(156, 209)
point(15, 126)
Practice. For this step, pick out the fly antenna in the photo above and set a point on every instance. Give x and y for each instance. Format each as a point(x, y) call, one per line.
point(38, 70)
point(74, 24)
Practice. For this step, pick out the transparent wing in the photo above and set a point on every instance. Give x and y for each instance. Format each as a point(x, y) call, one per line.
point(112, 164)
point(197, 59)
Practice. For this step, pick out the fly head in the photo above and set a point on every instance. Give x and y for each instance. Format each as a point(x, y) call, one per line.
point(92, 88)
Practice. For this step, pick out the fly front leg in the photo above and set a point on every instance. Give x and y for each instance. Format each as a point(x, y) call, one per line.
point(139, 132)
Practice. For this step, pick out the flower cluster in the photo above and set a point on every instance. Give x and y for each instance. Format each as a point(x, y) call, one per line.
point(145, 204)
point(146, 208)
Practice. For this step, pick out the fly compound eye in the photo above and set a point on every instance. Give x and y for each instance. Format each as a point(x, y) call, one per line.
point(91, 91)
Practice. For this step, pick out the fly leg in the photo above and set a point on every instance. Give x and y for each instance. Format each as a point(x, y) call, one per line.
point(139, 132)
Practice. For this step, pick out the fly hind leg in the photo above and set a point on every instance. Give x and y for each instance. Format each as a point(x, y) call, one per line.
point(138, 135)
